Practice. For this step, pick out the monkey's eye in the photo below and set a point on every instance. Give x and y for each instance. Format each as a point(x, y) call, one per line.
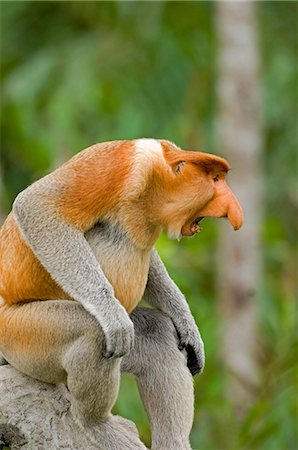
point(216, 178)
point(178, 168)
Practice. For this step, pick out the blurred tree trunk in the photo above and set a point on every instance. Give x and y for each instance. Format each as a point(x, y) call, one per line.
point(1, 195)
point(240, 142)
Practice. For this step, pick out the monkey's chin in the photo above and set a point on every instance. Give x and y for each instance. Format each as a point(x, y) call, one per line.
point(191, 228)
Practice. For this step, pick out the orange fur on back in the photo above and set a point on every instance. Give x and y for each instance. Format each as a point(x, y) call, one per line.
point(22, 277)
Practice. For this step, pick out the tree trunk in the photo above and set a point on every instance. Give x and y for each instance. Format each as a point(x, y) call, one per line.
point(37, 416)
point(240, 142)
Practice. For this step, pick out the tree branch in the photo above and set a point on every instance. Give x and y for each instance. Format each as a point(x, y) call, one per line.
point(37, 416)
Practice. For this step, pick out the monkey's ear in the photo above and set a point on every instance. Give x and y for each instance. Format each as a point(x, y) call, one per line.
point(177, 167)
point(211, 163)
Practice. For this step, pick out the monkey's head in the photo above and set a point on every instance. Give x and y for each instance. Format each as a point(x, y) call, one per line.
point(189, 186)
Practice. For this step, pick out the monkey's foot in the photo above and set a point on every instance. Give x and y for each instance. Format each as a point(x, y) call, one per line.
point(115, 433)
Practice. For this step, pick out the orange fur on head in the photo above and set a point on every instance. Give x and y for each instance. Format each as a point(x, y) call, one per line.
point(196, 189)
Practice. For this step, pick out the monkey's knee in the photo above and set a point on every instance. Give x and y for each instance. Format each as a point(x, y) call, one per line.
point(156, 344)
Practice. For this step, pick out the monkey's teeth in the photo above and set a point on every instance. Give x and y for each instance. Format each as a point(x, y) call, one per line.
point(195, 228)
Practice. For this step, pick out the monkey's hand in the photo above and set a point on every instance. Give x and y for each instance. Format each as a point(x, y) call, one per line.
point(118, 330)
point(190, 340)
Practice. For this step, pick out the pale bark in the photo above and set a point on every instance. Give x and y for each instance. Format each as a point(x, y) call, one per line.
point(37, 416)
point(240, 142)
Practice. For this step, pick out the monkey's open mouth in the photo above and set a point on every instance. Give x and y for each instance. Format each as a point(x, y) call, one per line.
point(191, 228)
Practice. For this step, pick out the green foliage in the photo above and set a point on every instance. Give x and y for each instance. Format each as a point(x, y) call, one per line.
point(75, 73)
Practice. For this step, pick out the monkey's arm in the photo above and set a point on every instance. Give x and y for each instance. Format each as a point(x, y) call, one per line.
point(64, 252)
point(162, 292)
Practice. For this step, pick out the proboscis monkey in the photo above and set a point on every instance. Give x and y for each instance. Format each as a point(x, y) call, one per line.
point(76, 257)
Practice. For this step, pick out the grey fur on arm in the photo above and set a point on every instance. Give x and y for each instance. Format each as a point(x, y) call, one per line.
point(162, 293)
point(64, 252)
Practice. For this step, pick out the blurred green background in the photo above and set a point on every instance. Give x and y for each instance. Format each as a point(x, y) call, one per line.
point(76, 73)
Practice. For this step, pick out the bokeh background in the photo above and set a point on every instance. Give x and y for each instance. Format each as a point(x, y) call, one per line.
point(76, 73)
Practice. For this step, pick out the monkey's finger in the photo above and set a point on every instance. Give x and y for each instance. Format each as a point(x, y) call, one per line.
point(195, 363)
point(108, 354)
point(120, 344)
point(125, 342)
point(128, 340)
point(111, 344)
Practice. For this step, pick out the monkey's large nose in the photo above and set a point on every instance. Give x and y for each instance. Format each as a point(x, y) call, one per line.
point(224, 204)
point(235, 213)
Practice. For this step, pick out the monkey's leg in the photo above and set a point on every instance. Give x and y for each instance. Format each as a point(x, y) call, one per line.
point(164, 381)
point(58, 341)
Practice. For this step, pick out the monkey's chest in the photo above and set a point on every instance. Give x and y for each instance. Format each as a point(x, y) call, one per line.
point(125, 266)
